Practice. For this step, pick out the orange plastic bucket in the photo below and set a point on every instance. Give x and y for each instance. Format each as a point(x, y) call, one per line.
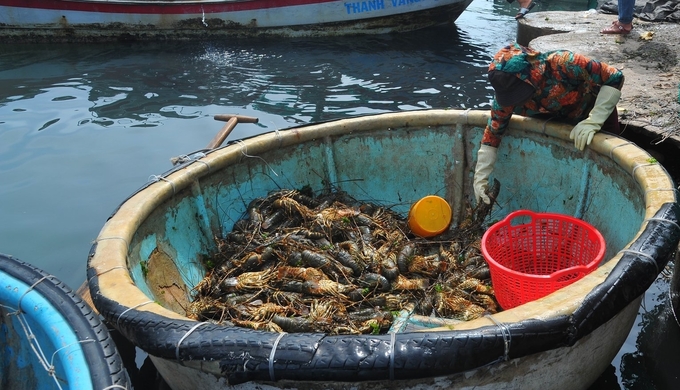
point(429, 216)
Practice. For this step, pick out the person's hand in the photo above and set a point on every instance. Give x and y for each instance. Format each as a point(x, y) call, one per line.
point(486, 159)
point(584, 131)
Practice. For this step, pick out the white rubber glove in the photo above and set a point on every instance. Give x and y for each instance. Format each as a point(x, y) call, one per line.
point(584, 131)
point(486, 159)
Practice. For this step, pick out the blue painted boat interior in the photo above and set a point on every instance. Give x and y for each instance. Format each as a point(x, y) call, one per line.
point(393, 167)
point(36, 340)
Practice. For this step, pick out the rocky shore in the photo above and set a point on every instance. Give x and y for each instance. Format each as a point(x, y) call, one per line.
point(649, 57)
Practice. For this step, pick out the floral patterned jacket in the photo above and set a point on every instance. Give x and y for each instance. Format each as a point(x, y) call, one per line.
point(566, 86)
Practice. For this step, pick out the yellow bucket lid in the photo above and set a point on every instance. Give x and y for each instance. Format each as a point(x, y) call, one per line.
point(429, 216)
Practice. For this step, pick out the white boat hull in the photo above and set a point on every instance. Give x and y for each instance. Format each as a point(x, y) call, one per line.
point(102, 20)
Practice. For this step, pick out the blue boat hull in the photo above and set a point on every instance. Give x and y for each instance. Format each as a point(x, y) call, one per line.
point(49, 338)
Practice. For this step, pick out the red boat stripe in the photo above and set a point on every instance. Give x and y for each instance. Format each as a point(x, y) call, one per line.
point(157, 7)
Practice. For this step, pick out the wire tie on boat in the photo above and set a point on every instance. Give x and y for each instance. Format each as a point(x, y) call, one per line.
point(155, 178)
point(244, 151)
point(114, 238)
point(193, 328)
point(53, 373)
point(271, 356)
point(33, 341)
point(465, 114)
point(198, 158)
point(29, 290)
point(128, 309)
point(507, 336)
point(110, 269)
point(393, 341)
point(663, 220)
point(203, 162)
point(279, 138)
point(545, 124)
point(66, 346)
point(632, 173)
point(611, 151)
point(645, 255)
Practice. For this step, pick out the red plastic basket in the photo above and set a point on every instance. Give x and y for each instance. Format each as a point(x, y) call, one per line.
point(539, 255)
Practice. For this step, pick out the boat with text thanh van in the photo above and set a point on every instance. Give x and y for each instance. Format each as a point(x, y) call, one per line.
point(154, 252)
point(101, 20)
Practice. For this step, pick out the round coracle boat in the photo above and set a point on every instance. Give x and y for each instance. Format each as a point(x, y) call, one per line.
point(151, 254)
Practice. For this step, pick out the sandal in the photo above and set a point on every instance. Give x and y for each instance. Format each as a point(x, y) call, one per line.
point(523, 11)
point(617, 28)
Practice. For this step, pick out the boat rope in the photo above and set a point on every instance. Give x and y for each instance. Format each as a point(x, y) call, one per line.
point(611, 151)
point(30, 335)
point(155, 178)
point(115, 387)
point(507, 336)
point(193, 328)
point(393, 341)
point(244, 151)
point(128, 309)
point(663, 220)
point(272, 377)
point(35, 346)
point(645, 255)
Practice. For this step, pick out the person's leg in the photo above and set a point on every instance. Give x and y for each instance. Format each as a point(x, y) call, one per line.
point(626, 9)
point(611, 125)
point(524, 7)
point(624, 24)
